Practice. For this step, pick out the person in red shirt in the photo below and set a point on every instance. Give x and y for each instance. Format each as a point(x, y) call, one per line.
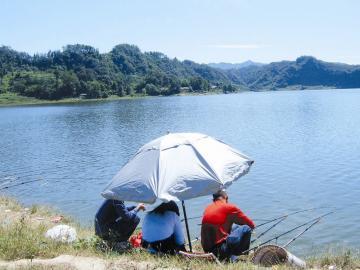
point(225, 229)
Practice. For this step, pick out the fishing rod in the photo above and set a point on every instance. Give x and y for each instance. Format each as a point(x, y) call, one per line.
point(271, 227)
point(255, 219)
point(190, 218)
point(19, 184)
point(301, 233)
point(282, 218)
point(289, 231)
point(267, 221)
point(263, 233)
point(194, 240)
point(289, 214)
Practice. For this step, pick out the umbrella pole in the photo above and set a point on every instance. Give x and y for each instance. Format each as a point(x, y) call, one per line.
point(186, 225)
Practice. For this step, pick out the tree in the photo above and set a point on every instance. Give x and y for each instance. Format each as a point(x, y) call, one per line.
point(229, 88)
point(174, 87)
point(70, 84)
point(199, 84)
point(152, 90)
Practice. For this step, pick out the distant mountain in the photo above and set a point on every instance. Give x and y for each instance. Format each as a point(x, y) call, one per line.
point(227, 66)
point(306, 71)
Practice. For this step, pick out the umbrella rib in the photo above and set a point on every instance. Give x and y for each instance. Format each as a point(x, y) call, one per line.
point(158, 175)
point(210, 170)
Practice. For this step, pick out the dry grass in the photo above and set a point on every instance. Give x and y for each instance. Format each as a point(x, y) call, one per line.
point(22, 237)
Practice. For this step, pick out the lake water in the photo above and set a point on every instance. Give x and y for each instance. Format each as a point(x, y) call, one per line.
point(306, 147)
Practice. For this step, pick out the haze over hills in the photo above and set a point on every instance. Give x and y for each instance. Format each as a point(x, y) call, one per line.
point(227, 66)
point(125, 70)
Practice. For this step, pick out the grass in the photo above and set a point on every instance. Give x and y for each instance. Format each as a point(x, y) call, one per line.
point(22, 237)
point(14, 99)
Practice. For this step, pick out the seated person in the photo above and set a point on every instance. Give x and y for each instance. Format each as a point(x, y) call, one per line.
point(225, 229)
point(162, 230)
point(115, 222)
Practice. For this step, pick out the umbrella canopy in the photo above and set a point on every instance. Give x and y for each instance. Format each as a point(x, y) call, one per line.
point(178, 166)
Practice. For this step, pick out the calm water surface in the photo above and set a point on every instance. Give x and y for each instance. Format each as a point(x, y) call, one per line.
point(306, 145)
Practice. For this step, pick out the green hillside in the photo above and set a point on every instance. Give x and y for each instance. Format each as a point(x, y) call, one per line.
point(125, 70)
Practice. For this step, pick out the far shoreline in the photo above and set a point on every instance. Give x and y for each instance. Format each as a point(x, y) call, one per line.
point(14, 100)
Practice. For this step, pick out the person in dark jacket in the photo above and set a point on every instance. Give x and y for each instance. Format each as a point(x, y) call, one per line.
point(116, 222)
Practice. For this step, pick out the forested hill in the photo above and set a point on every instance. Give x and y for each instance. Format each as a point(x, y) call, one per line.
point(306, 71)
point(81, 69)
point(125, 70)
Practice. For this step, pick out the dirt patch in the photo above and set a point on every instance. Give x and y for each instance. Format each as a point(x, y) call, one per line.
point(69, 262)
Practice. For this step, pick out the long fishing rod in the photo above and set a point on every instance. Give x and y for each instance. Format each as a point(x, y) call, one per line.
point(267, 221)
point(301, 233)
point(19, 184)
point(190, 218)
point(289, 231)
point(255, 219)
point(271, 227)
point(263, 233)
point(289, 214)
point(282, 218)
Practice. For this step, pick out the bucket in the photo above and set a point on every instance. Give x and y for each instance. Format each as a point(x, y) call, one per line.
point(271, 255)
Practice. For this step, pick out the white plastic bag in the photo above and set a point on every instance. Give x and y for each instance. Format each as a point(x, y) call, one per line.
point(62, 233)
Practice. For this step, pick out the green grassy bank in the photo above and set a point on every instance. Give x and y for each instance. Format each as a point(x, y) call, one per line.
point(22, 237)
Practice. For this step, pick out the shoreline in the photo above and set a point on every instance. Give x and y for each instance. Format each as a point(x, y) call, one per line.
point(23, 244)
point(12, 99)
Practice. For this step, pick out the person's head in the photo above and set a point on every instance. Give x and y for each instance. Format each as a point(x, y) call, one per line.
point(168, 206)
point(220, 195)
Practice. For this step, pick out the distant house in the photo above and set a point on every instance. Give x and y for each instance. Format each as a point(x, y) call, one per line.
point(83, 96)
point(184, 89)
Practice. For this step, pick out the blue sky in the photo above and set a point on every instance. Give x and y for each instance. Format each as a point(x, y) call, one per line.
point(200, 30)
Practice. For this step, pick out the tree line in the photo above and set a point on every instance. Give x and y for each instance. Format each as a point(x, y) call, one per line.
point(125, 70)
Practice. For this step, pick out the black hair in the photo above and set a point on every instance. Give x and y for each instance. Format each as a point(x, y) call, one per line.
point(219, 194)
point(168, 206)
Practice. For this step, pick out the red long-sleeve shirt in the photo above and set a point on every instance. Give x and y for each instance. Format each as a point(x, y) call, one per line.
point(217, 221)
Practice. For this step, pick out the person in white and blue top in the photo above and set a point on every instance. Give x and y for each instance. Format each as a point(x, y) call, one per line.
point(162, 230)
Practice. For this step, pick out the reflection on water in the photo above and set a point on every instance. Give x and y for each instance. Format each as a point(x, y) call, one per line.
point(306, 145)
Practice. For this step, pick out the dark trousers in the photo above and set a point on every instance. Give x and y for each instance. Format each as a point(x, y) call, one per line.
point(236, 243)
point(115, 232)
point(167, 246)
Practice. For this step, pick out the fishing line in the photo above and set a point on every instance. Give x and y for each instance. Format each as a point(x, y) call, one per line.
point(8, 179)
point(19, 184)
